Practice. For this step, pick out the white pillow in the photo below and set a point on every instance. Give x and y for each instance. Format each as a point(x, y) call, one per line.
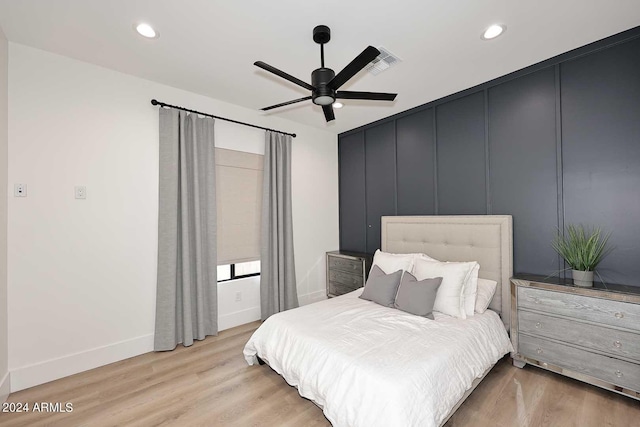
point(450, 297)
point(390, 263)
point(424, 257)
point(471, 291)
point(486, 290)
point(470, 286)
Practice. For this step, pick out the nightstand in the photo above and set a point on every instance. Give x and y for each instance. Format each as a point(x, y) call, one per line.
point(346, 271)
point(589, 334)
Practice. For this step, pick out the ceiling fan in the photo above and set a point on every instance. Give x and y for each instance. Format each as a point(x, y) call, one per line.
point(324, 81)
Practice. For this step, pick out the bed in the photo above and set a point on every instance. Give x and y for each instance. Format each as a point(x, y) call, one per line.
point(369, 365)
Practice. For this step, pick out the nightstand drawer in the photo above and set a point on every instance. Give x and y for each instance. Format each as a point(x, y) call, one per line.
point(612, 370)
point(612, 341)
point(347, 265)
point(346, 271)
point(336, 289)
point(346, 279)
point(613, 313)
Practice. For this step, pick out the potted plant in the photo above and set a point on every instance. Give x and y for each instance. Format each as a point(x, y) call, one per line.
point(582, 249)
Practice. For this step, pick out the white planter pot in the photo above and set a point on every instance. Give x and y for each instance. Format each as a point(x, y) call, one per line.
point(583, 279)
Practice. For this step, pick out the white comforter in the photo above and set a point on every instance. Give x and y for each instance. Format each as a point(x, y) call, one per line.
point(368, 365)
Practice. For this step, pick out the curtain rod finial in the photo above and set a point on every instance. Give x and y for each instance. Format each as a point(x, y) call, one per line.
point(154, 102)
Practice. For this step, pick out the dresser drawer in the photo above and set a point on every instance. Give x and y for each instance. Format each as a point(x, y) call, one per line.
point(346, 279)
point(336, 289)
point(605, 368)
point(613, 313)
point(353, 266)
point(612, 341)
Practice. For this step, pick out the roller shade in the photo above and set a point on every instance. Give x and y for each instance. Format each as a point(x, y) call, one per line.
point(239, 203)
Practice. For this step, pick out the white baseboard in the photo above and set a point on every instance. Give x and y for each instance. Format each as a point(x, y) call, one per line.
point(312, 297)
point(43, 372)
point(50, 370)
point(231, 320)
point(5, 387)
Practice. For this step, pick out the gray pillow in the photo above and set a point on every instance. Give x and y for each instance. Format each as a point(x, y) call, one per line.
point(417, 296)
point(381, 288)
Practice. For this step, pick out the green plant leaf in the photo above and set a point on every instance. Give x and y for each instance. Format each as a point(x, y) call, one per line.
point(582, 248)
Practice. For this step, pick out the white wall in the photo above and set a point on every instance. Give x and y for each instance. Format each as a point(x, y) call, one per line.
point(4, 371)
point(82, 273)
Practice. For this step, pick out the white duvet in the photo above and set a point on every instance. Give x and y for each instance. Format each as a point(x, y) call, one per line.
point(368, 365)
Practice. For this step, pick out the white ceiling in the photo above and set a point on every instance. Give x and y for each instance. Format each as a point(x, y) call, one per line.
point(209, 46)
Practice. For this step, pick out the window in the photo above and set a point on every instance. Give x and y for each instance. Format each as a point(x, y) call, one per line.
point(239, 170)
point(238, 271)
point(239, 202)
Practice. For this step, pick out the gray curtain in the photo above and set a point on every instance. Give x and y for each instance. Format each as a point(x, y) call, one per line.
point(186, 297)
point(277, 270)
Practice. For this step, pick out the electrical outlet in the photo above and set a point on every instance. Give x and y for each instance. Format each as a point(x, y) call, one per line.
point(20, 190)
point(81, 192)
point(238, 296)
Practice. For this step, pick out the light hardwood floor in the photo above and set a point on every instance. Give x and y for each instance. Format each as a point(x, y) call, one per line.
point(210, 384)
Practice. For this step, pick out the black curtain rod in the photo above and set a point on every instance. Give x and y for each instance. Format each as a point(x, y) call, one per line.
point(162, 104)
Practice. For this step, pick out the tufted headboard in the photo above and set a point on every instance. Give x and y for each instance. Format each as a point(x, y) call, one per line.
point(487, 239)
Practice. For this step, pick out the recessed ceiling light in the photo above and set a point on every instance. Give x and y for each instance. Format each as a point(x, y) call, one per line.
point(146, 30)
point(338, 105)
point(493, 31)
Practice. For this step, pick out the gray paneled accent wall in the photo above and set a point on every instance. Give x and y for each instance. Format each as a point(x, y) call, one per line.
point(553, 144)
point(601, 151)
point(461, 156)
point(415, 150)
point(522, 159)
point(352, 202)
point(380, 179)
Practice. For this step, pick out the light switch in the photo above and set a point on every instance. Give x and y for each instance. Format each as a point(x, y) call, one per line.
point(81, 192)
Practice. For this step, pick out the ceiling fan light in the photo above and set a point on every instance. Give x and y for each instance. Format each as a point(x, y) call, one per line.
point(323, 100)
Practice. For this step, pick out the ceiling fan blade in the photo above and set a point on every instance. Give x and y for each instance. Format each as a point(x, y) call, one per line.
point(373, 96)
point(282, 74)
point(328, 112)
point(306, 98)
point(361, 61)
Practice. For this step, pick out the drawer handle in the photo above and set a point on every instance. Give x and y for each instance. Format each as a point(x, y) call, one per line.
point(619, 315)
point(618, 374)
point(536, 300)
point(617, 344)
point(539, 351)
point(538, 325)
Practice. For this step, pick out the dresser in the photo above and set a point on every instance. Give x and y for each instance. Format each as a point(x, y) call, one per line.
point(590, 334)
point(346, 271)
